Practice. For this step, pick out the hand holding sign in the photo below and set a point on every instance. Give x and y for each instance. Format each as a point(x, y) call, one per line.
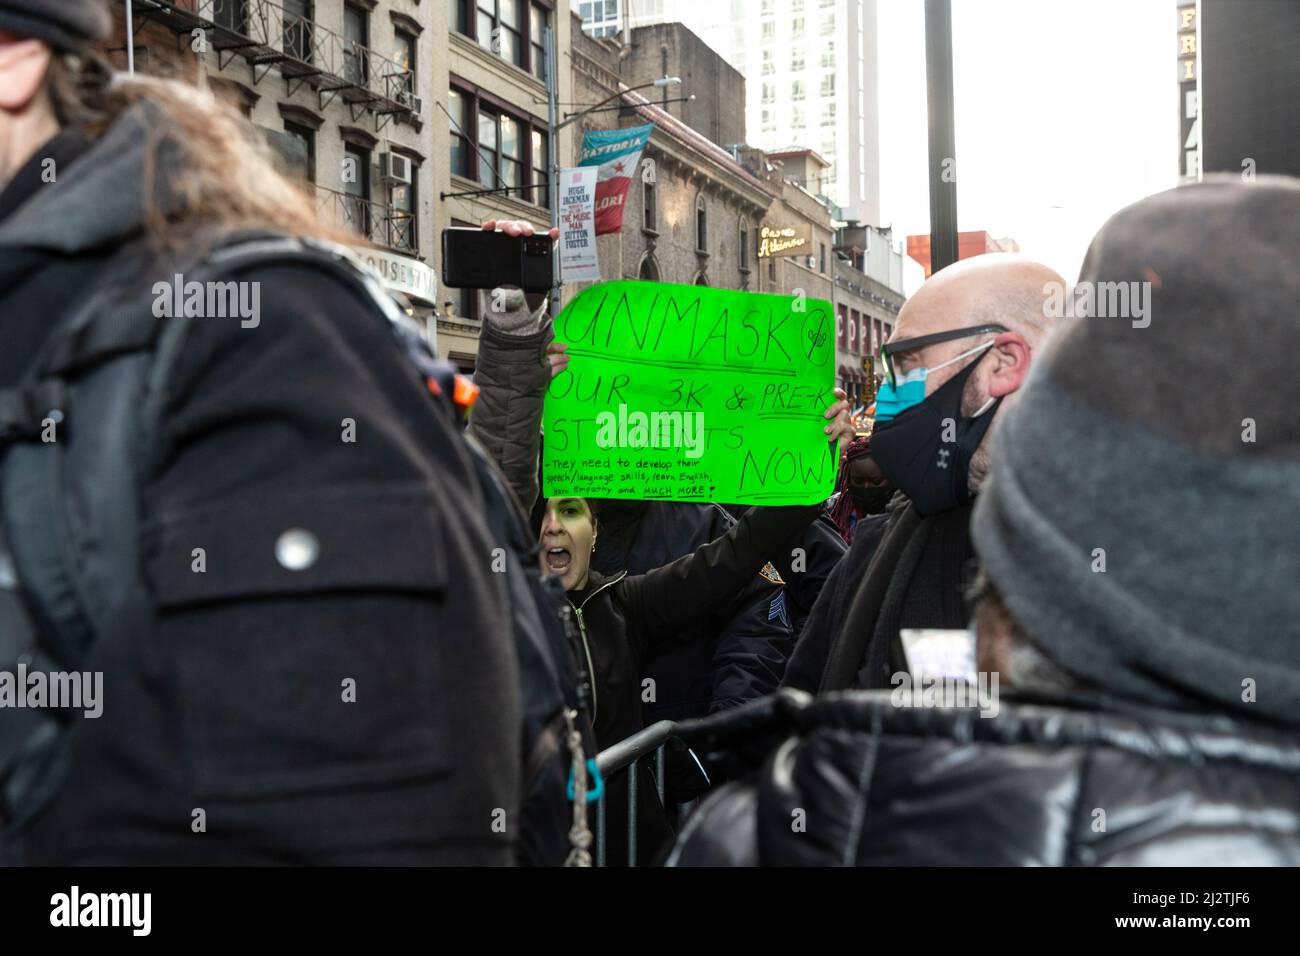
point(693, 394)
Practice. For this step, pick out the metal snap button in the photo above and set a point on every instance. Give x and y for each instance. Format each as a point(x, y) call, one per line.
point(297, 549)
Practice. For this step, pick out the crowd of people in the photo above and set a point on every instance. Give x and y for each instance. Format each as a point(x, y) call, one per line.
point(337, 621)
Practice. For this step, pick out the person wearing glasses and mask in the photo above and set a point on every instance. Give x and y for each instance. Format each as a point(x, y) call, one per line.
point(958, 354)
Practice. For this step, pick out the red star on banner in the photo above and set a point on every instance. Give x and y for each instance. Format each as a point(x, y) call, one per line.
point(618, 167)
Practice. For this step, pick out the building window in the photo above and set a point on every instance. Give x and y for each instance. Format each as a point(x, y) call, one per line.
point(769, 93)
point(828, 26)
point(233, 16)
point(489, 170)
point(821, 260)
point(406, 57)
point(356, 188)
point(828, 114)
point(797, 91)
point(512, 150)
point(769, 8)
point(649, 271)
point(600, 18)
point(540, 192)
point(402, 233)
point(769, 121)
point(769, 30)
point(744, 246)
point(498, 148)
point(828, 84)
point(356, 41)
point(306, 139)
point(499, 28)
point(297, 29)
point(514, 30)
point(828, 56)
point(649, 206)
point(701, 226)
point(769, 63)
point(771, 272)
point(539, 19)
point(461, 145)
point(796, 28)
point(797, 60)
point(797, 117)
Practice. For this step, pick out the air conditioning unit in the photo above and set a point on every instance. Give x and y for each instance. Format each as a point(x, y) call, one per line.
point(411, 101)
point(394, 168)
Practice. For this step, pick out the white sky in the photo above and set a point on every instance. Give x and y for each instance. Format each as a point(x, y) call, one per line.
point(1066, 111)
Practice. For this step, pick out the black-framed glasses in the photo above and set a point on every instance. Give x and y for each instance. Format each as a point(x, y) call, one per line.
point(889, 350)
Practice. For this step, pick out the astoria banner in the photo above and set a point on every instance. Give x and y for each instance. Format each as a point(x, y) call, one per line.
point(616, 153)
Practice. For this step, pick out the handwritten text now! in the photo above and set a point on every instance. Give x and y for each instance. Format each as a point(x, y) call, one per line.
point(692, 394)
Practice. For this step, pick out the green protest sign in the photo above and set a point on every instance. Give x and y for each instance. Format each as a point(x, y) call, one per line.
point(693, 394)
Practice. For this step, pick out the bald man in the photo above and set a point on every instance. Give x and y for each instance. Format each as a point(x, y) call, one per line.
point(957, 356)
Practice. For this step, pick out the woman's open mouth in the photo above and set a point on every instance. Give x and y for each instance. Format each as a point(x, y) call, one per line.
point(558, 560)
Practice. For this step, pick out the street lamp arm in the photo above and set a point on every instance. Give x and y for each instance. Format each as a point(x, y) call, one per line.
point(574, 117)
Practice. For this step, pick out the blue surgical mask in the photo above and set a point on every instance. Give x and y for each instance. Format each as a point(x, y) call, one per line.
point(893, 400)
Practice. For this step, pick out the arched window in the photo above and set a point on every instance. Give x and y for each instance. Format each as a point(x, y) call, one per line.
point(744, 244)
point(649, 271)
point(701, 225)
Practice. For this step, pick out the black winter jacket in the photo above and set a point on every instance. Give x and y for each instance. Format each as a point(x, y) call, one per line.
point(852, 779)
point(736, 650)
point(624, 619)
point(922, 579)
point(224, 690)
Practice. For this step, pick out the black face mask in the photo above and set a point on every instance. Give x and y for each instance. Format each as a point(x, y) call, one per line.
point(912, 453)
point(871, 501)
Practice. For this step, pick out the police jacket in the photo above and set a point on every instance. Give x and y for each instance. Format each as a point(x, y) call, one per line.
point(316, 652)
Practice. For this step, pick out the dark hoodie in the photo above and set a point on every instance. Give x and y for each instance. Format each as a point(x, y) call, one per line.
point(223, 690)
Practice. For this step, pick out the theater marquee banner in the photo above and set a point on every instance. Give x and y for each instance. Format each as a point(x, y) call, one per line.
point(616, 153)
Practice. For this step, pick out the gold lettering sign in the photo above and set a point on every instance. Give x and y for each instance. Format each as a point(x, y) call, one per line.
point(784, 241)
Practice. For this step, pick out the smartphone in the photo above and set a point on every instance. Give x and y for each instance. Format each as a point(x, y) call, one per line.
point(478, 259)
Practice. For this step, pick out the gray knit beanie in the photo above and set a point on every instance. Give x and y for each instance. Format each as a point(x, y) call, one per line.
point(1142, 515)
point(66, 25)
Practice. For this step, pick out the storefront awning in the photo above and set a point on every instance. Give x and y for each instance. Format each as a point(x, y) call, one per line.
point(411, 277)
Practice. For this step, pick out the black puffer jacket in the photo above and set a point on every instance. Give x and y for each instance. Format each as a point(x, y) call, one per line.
point(851, 779)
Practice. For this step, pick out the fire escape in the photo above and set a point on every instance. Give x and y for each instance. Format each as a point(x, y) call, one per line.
point(270, 38)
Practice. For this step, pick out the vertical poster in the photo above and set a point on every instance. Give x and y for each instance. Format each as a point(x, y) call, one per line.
point(578, 225)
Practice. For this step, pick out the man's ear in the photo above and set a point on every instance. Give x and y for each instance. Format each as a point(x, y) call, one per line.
point(1009, 364)
point(23, 65)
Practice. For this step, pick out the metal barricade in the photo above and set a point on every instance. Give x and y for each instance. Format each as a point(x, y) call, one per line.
point(624, 757)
